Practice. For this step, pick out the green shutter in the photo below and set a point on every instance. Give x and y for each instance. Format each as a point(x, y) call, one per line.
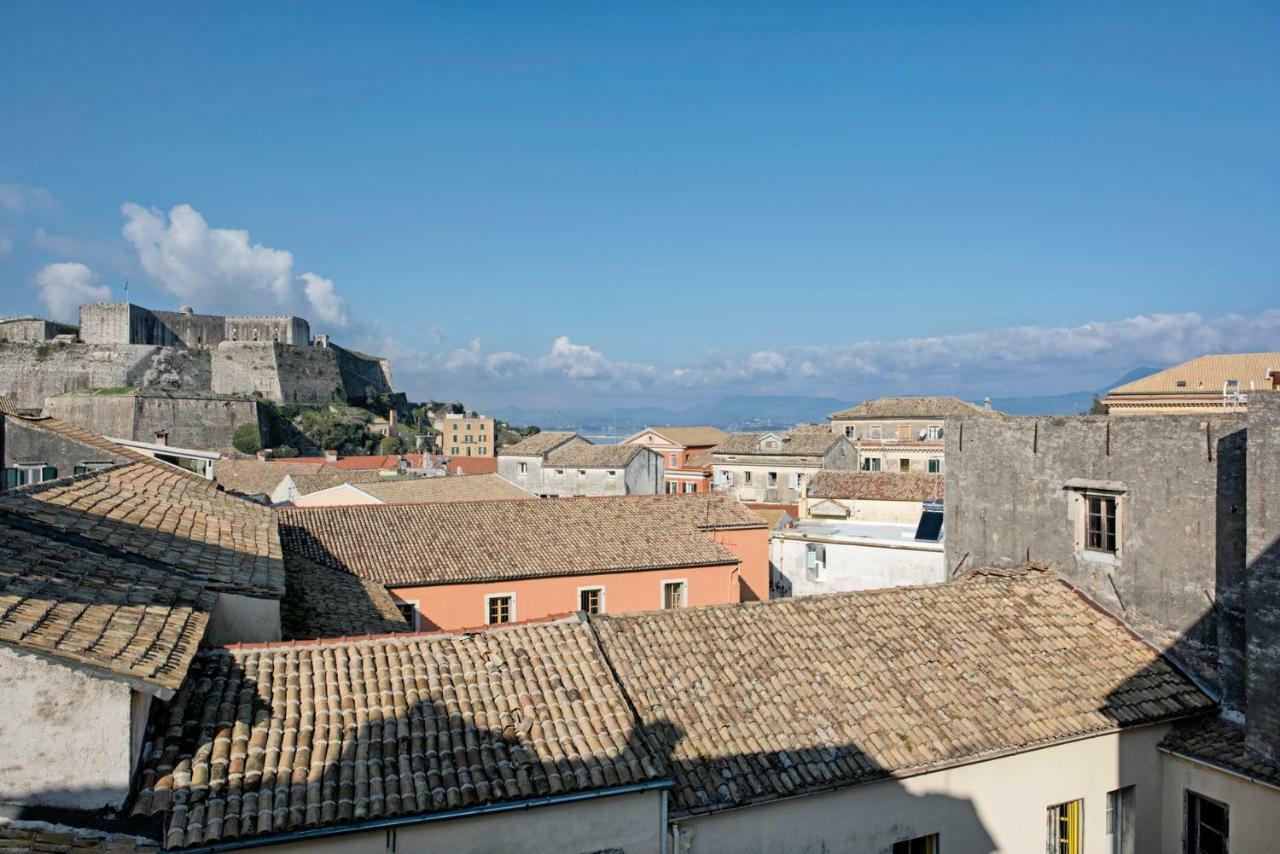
point(79, 469)
point(10, 478)
point(48, 473)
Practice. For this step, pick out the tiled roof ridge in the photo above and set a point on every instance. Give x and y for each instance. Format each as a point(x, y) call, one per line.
point(357, 640)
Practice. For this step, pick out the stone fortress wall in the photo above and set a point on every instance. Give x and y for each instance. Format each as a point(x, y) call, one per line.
point(121, 344)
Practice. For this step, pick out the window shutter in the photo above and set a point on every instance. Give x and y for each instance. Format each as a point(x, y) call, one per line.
point(10, 478)
point(79, 469)
point(48, 473)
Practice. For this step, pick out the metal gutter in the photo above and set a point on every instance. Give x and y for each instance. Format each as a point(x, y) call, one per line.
point(426, 818)
point(1218, 766)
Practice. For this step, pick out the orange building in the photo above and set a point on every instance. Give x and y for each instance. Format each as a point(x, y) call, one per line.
point(467, 564)
point(685, 452)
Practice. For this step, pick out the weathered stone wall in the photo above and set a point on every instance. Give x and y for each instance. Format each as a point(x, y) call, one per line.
point(310, 375)
point(282, 373)
point(178, 329)
point(1179, 576)
point(1262, 733)
point(245, 368)
point(25, 443)
point(285, 329)
point(359, 372)
point(31, 372)
point(33, 329)
point(205, 422)
point(112, 323)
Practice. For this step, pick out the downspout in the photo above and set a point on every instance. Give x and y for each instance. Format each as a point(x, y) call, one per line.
point(663, 847)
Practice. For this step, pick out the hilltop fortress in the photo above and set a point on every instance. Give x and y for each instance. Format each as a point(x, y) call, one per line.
point(199, 365)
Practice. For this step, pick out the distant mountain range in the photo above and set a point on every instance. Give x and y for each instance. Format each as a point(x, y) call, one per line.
point(746, 412)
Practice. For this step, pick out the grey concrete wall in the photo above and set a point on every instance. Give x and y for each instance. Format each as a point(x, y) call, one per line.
point(997, 805)
point(192, 422)
point(1179, 578)
point(33, 329)
point(109, 322)
point(65, 735)
point(243, 619)
point(24, 443)
point(240, 368)
point(1263, 561)
point(627, 823)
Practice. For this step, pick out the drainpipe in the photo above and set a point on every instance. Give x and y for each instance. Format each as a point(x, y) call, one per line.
point(663, 847)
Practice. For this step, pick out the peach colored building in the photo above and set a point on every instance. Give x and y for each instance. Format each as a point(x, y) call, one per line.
point(467, 564)
point(685, 452)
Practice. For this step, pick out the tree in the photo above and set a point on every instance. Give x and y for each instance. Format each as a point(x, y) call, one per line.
point(1098, 407)
point(246, 439)
point(391, 445)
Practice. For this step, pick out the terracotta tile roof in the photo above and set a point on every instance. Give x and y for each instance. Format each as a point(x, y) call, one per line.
point(424, 544)
point(163, 514)
point(594, 456)
point(317, 478)
point(98, 607)
point(805, 443)
point(110, 450)
point(256, 477)
point(358, 462)
point(469, 465)
point(1207, 375)
point(538, 444)
point(476, 487)
point(689, 437)
point(877, 485)
point(325, 602)
point(1217, 742)
point(45, 840)
point(698, 461)
point(261, 741)
point(767, 700)
point(910, 407)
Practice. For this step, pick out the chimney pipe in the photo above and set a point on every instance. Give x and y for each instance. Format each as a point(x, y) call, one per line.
point(330, 456)
point(986, 403)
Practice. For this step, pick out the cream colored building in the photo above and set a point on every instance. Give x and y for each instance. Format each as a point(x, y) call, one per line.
point(462, 436)
point(900, 434)
point(1209, 384)
point(775, 468)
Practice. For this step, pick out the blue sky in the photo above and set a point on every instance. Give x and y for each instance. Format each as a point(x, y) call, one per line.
point(577, 203)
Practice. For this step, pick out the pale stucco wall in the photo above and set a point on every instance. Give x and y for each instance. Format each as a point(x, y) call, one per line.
point(631, 823)
point(1253, 809)
point(866, 510)
point(853, 566)
point(64, 735)
point(343, 495)
point(998, 805)
point(243, 619)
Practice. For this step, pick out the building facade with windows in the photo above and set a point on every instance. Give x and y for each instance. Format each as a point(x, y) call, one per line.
point(36, 449)
point(687, 464)
point(522, 463)
point(901, 434)
point(775, 468)
point(466, 436)
point(553, 464)
point(459, 565)
point(815, 556)
point(1214, 384)
point(861, 496)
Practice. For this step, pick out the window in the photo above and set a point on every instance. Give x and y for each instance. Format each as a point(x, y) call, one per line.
point(793, 479)
point(611, 473)
point(935, 465)
point(1181, 384)
point(1100, 523)
point(773, 479)
point(935, 432)
point(25, 474)
point(524, 469)
point(919, 845)
point(591, 600)
point(746, 477)
point(559, 471)
point(670, 487)
point(1120, 821)
point(482, 452)
point(851, 432)
point(582, 472)
point(466, 440)
point(409, 610)
point(454, 450)
point(871, 464)
point(468, 426)
point(500, 608)
point(876, 433)
point(673, 594)
point(815, 560)
point(690, 487)
point(1066, 823)
point(1206, 831)
point(904, 432)
point(671, 460)
point(726, 477)
point(904, 464)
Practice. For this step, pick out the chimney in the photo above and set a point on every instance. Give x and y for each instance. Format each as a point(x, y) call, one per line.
point(162, 437)
point(264, 455)
point(986, 403)
point(330, 456)
point(391, 419)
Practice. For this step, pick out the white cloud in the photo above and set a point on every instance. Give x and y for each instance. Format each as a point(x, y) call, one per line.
point(324, 300)
point(65, 286)
point(17, 198)
point(220, 269)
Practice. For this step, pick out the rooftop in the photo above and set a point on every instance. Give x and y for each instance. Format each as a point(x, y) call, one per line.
point(538, 444)
point(425, 544)
point(876, 486)
point(447, 721)
point(325, 602)
point(768, 700)
point(910, 407)
point(476, 487)
point(164, 514)
point(1207, 374)
point(877, 532)
point(689, 437)
point(803, 443)
point(585, 456)
point(1219, 743)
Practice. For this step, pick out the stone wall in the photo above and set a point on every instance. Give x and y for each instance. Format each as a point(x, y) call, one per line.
point(31, 372)
point(21, 442)
point(33, 329)
point(1262, 734)
point(360, 371)
point(1181, 508)
point(203, 422)
point(311, 375)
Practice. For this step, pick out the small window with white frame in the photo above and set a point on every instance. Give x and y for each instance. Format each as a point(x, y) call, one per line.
point(611, 473)
point(591, 600)
point(935, 432)
point(1097, 510)
point(499, 608)
point(871, 464)
point(935, 465)
point(876, 433)
point(674, 594)
point(815, 560)
point(408, 610)
point(524, 469)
